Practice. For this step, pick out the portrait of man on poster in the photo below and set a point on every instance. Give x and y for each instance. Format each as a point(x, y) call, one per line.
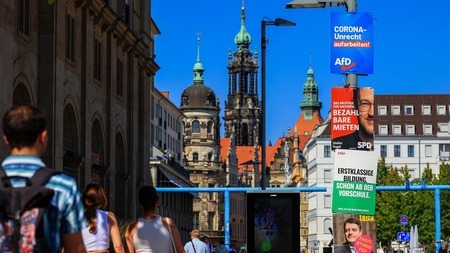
point(362, 137)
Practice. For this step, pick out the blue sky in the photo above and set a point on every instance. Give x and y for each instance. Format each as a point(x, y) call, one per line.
point(411, 50)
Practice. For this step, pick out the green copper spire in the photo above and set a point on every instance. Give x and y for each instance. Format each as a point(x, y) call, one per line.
point(243, 37)
point(310, 101)
point(198, 66)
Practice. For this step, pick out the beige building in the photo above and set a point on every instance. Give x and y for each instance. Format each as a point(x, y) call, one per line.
point(202, 152)
point(165, 162)
point(89, 65)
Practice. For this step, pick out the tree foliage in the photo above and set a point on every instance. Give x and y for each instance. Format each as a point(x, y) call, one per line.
point(419, 206)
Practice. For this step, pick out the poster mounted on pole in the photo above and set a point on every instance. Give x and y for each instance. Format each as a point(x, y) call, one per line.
point(354, 185)
point(352, 118)
point(351, 45)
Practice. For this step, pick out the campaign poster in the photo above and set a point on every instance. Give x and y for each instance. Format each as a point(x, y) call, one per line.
point(354, 184)
point(351, 45)
point(354, 233)
point(352, 118)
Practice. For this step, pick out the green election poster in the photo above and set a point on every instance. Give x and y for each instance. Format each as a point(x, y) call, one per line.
point(354, 185)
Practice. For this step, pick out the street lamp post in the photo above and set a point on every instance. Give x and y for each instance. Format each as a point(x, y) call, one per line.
point(351, 79)
point(265, 22)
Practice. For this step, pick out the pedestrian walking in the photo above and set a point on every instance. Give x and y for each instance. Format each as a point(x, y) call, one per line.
point(102, 225)
point(152, 233)
point(25, 133)
point(195, 245)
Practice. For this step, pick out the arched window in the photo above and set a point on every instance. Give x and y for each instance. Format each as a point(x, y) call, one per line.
point(195, 126)
point(210, 155)
point(209, 127)
point(327, 224)
point(195, 157)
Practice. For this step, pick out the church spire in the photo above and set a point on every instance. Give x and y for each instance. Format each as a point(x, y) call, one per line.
point(243, 107)
point(243, 38)
point(310, 101)
point(198, 66)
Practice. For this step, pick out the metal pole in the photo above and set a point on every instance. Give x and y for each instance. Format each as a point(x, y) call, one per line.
point(351, 79)
point(227, 219)
point(263, 104)
point(437, 217)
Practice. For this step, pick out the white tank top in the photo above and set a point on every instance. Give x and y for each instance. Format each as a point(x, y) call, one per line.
point(99, 240)
point(152, 236)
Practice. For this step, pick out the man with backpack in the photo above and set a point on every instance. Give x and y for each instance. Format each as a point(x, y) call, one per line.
point(54, 218)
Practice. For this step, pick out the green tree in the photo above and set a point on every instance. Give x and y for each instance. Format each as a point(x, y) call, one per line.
point(388, 204)
point(444, 179)
point(419, 205)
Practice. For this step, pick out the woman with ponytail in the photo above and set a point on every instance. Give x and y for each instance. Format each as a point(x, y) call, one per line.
point(102, 225)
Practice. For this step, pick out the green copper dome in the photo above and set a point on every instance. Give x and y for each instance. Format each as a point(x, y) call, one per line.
point(198, 95)
point(243, 37)
point(310, 83)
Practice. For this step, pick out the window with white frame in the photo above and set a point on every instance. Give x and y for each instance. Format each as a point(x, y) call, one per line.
point(395, 110)
point(427, 129)
point(428, 151)
point(383, 150)
point(410, 150)
point(441, 110)
point(444, 127)
point(382, 110)
point(410, 130)
point(327, 201)
point(383, 129)
point(397, 151)
point(396, 129)
point(409, 110)
point(426, 109)
point(327, 151)
point(328, 177)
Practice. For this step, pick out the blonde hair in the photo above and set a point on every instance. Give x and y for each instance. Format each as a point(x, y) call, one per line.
point(195, 233)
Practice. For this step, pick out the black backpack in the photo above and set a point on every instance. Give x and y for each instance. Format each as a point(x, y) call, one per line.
point(22, 210)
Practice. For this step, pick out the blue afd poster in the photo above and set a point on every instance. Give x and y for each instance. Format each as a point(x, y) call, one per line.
point(351, 43)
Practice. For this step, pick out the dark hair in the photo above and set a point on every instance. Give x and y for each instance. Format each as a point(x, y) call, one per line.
point(22, 125)
point(93, 198)
point(147, 197)
point(352, 221)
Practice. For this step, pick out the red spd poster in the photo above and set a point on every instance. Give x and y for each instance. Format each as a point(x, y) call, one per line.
point(352, 118)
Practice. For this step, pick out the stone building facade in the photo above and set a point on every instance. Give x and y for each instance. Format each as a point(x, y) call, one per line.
point(201, 142)
point(165, 162)
point(89, 65)
point(243, 108)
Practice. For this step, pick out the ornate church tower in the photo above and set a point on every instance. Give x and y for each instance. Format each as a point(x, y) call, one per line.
point(243, 109)
point(310, 104)
point(202, 123)
point(201, 141)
